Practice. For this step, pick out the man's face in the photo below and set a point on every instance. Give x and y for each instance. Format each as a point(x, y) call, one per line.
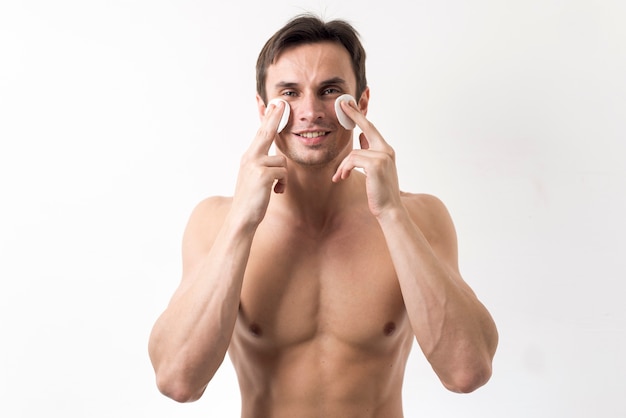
point(310, 77)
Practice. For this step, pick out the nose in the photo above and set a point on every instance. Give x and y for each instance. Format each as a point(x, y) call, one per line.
point(310, 108)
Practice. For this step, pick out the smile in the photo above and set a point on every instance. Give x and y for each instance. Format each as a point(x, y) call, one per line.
point(312, 134)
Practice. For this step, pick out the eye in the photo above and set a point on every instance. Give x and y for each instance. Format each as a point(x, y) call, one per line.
point(289, 93)
point(330, 90)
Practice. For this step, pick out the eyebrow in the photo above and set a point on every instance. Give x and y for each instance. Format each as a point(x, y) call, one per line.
point(335, 80)
point(289, 85)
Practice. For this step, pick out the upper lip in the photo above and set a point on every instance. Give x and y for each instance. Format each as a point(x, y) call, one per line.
point(325, 131)
point(312, 134)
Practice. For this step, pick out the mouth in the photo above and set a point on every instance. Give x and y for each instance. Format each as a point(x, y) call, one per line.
point(312, 135)
point(312, 138)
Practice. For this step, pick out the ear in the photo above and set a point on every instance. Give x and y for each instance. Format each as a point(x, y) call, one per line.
point(261, 106)
point(364, 100)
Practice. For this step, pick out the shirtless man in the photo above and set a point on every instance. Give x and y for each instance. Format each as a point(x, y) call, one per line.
point(316, 277)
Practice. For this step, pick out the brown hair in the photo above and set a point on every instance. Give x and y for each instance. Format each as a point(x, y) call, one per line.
point(307, 29)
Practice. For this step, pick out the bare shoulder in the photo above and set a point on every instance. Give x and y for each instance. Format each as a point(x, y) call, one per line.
point(431, 215)
point(211, 207)
point(204, 223)
point(208, 215)
point(426, 208)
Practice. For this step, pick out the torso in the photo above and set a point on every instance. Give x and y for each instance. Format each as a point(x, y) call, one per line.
point(322, 329)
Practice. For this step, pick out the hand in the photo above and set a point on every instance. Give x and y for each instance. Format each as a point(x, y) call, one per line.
point(377, 159)
point(258, 171)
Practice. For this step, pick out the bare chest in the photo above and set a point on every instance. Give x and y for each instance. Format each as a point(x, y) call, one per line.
point(341, 286)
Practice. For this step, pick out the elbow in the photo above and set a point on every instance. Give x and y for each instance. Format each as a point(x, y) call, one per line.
point(475, 369)
point(468, 380)
point(176, 378)
point(178, 389)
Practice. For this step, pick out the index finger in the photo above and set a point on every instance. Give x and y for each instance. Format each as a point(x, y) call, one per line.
point(374, 138)
point(269, 126)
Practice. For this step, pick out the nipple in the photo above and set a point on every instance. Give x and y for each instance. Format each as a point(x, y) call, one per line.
point(344, 120)
point(255, 329)
point(285, 117)
point(390, 328)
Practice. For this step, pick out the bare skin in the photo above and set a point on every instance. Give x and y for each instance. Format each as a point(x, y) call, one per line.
point(315, 277)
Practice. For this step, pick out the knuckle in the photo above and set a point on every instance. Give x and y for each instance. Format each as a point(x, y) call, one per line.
point(246, 159)
point(379, 164)
point(265, 133)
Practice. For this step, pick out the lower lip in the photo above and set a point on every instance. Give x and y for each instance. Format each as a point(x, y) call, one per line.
point(312, 141)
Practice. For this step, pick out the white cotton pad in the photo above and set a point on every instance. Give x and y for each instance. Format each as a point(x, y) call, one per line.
point(344, 120)
point(286, 111)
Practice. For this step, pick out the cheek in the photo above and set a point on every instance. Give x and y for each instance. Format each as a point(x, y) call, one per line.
point(344, 139)
point(342, 117)
point(281, 143)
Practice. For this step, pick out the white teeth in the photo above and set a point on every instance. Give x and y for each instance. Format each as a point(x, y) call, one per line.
point(312, 134)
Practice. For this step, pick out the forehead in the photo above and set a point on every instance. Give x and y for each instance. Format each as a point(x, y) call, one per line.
point(311, 64)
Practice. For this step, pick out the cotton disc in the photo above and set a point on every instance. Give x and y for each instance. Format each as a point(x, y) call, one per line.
point(344, 120)
point(285, 117)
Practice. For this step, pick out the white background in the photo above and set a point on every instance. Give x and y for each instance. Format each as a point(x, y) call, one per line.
point(117, 117)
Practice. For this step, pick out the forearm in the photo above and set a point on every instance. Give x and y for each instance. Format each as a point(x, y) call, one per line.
point(452, 327)
point(190, 339)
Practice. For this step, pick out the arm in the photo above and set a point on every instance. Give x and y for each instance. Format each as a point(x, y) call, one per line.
point(454, 330)
point(190, 339)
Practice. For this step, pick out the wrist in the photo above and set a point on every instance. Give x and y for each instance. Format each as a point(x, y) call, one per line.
point(393, 214)
point(240, 224)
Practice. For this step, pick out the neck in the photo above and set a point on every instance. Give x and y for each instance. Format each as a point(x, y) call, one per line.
point(312, 200)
